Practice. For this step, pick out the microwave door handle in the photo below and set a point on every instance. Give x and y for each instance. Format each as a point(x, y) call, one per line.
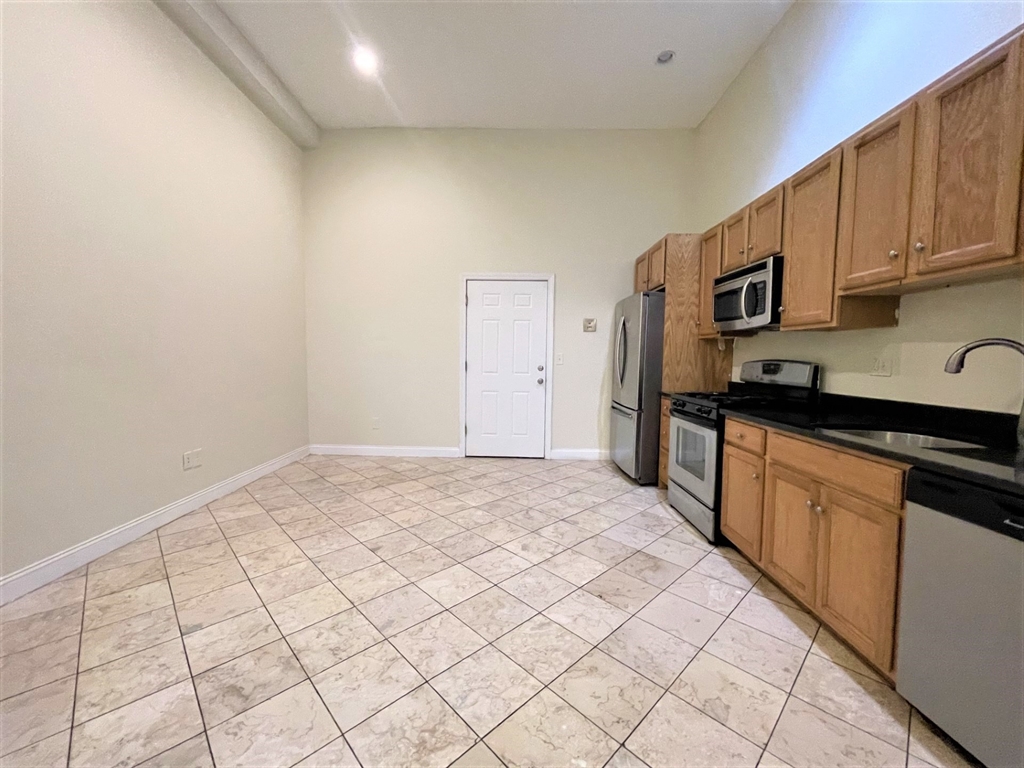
point(743, 299)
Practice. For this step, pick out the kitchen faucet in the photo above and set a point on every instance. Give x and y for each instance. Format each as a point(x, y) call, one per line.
point(955, 364)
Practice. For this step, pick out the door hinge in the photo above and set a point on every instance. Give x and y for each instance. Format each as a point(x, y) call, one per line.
point(467, 299)
point(466, 428)
point(467, 366)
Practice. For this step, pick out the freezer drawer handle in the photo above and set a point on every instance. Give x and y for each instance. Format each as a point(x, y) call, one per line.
point(623, 411)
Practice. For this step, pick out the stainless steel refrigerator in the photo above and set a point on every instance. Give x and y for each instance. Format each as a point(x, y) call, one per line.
point(636, 380)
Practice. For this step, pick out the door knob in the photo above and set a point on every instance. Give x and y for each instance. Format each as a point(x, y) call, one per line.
point(540, 367)
point(540, 381)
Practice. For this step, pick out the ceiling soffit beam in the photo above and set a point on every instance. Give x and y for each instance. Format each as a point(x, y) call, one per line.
point(217, 37)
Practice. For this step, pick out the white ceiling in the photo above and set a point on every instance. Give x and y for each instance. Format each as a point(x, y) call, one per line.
point(508, 64)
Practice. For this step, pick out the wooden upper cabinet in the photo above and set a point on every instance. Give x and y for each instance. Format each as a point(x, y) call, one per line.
point(734, 241)
point(809, 243)
point(789, 550)
point(710, 268)
point(967, 171)
point(874, 209)
point(640, 274)
point(656, 266)
point(765, 225)
point(742, 498)
point(858, 556)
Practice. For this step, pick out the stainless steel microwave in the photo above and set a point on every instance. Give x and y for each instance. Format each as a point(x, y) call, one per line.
point(748, 298)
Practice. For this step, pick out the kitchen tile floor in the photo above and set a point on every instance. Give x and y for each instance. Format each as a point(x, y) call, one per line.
point(352, 611)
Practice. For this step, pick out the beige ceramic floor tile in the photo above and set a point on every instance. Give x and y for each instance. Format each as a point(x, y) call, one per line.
point(254, 542)
point(51, 752)
point(325, 541)
point(198, 519)
point(652, 652)
point(711, 593)
point(365, 683)
point(398, 610)
point(806, 737)
point(40, 628)
point(453, 585)
point(203, 580)
point(244, 682)
point(308, 607)
point(421, 563)
point(625, 759)
point(139, 730)
point(395, 545)
point(417, 730)
point(493, 613)
point(196, 537)
point(538, 588)
point(224, 641)
point(687, 621)
point(371, 582)
point(573, 567)
point(123, 605)
point(217, 606)
point(463, 546)
point(198, 557)
point(870, 705)
point(124, 577)
point(675, 552)
point(287, 581)
point(486, 688)
point(280, 731)
point(372, 528)
point(337, 754)
point(651, 569)
point(565, 533)
point(437, 643)
point(735, 698)
point(271, 559)
point(548, 732)
point(782, 621)
point(345, 561)
point(587, 616)
point(609, 693)
point(497, 564)
point(533, 548)
point(604, 550)
point(245, 525)
point(543, 648)
point(676, 735)
point(622, 590)
point(36, 714)
point(20, 672)
point(830, 647)
point(479, 756)
point(126, 637)
point(192, 753)
point(145, 548)
point(119, 682)
point(328, 642)
point(763, 656)
point(739, 573)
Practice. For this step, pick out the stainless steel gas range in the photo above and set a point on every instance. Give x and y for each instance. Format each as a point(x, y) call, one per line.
point(695, 437)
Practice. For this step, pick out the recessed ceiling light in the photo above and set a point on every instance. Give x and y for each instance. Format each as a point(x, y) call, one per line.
point(665, 57)
point(365, 60)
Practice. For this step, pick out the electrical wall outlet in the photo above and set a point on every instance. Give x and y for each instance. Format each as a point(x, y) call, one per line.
point(558, 359)
point(192, 459)
point(375, 422)
point(589, 325)
point(883, 365)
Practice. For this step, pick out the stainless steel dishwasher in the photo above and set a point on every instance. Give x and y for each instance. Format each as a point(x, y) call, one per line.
point(960, 652)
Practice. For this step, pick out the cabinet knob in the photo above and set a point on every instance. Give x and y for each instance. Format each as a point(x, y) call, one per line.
point(750, 246)
point(782, 309)
point(742, 251)
point(810, 503)
point(754, 476)
point(739, 435)
point(919, 246)
point(893, 254)
point(819, 510)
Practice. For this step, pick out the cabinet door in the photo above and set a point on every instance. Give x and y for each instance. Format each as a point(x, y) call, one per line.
point(640, 274)
point(968, 163)
point(663, 434)
point(742, 499)
point(656, 266)
point(858, 549)
point(874, 210)
point(790, 544)
point(809, 243)
point(734, 241)
point(766, 225)
point(710, 266)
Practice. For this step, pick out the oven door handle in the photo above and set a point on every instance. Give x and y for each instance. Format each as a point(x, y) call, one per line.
point(743, 299)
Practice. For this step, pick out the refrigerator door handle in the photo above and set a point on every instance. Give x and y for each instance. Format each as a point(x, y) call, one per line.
point(627, 413)
point(620, 372)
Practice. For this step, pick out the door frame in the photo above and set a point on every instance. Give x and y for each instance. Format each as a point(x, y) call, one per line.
point(548, 365)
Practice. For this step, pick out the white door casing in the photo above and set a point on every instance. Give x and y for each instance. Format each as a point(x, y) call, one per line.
point(506, 367)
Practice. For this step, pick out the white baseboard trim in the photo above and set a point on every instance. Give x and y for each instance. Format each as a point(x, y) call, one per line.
point(578, 454)
point(420, 451)
point(38, 574)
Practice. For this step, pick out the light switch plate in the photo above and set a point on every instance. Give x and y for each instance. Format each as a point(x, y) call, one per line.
point(589, 325)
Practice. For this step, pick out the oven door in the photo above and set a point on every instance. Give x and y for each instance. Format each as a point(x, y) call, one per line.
point(693, 458)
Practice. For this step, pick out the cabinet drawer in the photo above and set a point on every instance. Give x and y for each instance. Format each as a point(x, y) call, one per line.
point(859, 475)
point(745, 436)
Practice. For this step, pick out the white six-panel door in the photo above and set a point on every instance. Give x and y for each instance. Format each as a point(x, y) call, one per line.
point(506, 357)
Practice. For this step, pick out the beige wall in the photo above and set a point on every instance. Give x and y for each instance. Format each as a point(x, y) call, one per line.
point(825, 71)
point(152, 274)
point(394, 217)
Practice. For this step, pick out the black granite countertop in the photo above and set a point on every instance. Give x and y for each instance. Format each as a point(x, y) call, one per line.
point(997, 465)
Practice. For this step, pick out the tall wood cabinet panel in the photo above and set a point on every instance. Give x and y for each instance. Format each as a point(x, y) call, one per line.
point(858, 554)
point(874, 210)
point(640, 274)
point(656, 266)
point(710, 268)
point(663, 435)
point(790, 534)
point(742, 498)
point(809, 242)
point(765, 225)
point(967, 182)
point(689, 363)
point(734, 240)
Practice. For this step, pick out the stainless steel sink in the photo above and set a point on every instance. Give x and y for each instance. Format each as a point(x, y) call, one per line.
point(903, 439)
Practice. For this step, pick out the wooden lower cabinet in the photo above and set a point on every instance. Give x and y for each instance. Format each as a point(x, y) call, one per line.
point(663, 434)
point(858, 553)
point(790, 534)
point(742, 499)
